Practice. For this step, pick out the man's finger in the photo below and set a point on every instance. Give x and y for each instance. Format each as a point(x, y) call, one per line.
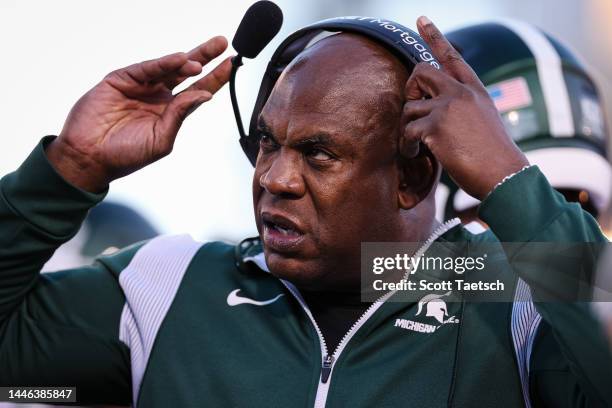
point(209, 50)
point(411, 137)
point(173, 81)
point(155, 69)
point(427, 81)
point(190, 69)
point(446, 54)
point(417, 109)
point(175, 113)
point(215, 79)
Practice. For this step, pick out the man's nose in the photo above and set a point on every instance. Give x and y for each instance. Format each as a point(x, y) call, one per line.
point(284, 176)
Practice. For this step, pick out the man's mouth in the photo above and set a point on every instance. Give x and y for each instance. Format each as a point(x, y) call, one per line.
point(283, 231)
point(280, 233)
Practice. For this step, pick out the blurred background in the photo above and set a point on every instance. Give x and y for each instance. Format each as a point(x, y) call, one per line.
point(53, 52)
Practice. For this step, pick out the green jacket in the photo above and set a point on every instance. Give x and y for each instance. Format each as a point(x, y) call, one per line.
point(174, 322)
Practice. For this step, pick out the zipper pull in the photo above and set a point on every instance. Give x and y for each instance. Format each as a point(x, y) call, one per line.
point(326, 368)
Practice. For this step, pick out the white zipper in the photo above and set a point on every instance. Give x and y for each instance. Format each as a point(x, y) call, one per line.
point(327, 363)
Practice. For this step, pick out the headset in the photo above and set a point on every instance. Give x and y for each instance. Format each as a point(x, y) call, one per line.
point(403, 42)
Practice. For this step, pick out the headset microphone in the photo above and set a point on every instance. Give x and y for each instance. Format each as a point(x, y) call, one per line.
point(261, 22)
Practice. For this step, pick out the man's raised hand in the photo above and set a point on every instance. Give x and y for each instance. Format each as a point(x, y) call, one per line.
point(131, 118)
point(458, 121)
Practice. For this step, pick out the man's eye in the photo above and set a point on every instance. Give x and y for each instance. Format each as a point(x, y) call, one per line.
point(318, 154)
point(266, 142)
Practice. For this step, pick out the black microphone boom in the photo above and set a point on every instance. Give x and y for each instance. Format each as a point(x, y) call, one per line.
point(261, 22)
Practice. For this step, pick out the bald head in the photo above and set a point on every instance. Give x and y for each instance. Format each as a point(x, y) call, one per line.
point(347, 64)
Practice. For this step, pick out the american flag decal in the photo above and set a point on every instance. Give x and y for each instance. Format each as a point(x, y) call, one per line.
point(510, 94)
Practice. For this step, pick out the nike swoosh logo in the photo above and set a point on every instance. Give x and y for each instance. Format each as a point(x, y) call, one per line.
point(233, 299)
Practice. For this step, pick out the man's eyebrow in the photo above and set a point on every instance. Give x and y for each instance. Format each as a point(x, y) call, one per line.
point(319, 138)
point(263, 127)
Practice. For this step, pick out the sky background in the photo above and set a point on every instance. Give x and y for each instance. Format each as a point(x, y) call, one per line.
point(53, 52)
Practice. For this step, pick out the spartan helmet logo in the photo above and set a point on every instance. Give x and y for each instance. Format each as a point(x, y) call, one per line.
point(435, 307)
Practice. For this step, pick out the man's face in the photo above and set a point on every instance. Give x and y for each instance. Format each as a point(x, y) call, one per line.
point(326, 177)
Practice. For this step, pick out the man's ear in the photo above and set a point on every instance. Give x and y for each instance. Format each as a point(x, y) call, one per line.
point(417, 177)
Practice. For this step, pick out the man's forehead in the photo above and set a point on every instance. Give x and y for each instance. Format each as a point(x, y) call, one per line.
point(342, 53)
point(346, 76)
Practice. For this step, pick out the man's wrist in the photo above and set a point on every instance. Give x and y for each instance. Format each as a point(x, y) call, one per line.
point(74, 167)
point(519, 220)
point(37, 193)
point(512, 168)
point(508, 177)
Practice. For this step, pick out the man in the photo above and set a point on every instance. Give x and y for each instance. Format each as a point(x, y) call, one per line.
point(343, 160)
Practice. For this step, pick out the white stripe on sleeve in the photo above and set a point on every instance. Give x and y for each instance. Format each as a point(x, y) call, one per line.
point(524, 325)
point(150, 283)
